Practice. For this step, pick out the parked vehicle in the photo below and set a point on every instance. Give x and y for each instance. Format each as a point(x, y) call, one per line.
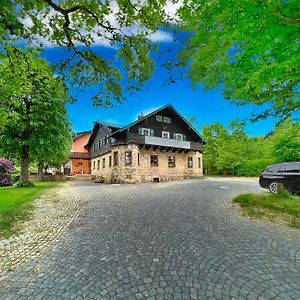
point(287, 174)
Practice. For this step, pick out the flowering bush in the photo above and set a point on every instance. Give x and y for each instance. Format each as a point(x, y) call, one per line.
point(6, 167)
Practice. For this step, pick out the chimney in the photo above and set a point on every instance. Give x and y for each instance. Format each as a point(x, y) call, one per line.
point(140, 116)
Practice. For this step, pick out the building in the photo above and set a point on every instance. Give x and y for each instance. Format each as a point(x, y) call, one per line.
point(80, 158)
point(159, 146)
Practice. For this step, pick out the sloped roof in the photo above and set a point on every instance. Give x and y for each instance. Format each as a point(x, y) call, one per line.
point(155, 112)
point(80, 134)
point(109, 124)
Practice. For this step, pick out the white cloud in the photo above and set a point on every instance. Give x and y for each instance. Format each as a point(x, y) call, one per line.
point(161, 36)
point(99, 36)
point(172, 8)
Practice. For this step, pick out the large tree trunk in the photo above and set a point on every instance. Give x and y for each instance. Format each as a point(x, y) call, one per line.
point(24, 176)
point(40, 176)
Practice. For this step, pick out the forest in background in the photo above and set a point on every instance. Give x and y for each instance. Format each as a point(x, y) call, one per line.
point(230, 151)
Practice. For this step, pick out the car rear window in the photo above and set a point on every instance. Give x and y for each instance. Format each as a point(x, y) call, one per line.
point(292, 168)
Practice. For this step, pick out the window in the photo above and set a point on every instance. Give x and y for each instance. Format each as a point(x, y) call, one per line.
point(109, 161)
point(165, 134)
point(146, 131)
point(199, 162)
point(167, 120)
point(138, 159)
point(178, 136)
point(171, 162)
point(190, 162)
point(154, 161)
point(128, 158)
point(274, 168)
point(94, 147)
point(292, 168)
point(103, 163)
point(98, 164)
point(94, 165)
point(159, 118)
point(116, 158)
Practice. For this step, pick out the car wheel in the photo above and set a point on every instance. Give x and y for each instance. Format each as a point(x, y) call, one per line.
point(275, 187)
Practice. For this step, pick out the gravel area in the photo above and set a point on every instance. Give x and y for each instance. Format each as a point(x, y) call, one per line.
point(170, 240)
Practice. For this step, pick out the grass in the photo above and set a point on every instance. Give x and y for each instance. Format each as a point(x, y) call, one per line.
point(16, 205)
point(279, 208)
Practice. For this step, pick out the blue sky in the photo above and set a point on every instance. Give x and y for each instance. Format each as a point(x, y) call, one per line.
point(206, 106)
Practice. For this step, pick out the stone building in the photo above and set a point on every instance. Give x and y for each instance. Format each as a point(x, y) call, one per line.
point(159, 146)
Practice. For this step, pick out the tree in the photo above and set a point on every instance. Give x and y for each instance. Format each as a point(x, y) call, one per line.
point(286, 141)
point(248, 48)
point(78, 25)
point(213, 134)
point(37, 127)
point(230, 150)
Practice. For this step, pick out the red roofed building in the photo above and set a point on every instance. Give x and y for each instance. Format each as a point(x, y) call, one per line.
point(80, 159)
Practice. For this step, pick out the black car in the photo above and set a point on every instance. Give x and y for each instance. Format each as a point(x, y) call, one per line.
point(287, 174)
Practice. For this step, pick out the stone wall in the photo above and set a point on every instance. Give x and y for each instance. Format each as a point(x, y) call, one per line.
point(141, 170)
point(163, 172)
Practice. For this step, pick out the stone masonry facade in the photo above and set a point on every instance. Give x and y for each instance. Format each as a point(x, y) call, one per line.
point(133, 164)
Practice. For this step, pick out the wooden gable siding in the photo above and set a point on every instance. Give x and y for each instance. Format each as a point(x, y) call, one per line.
point(177, 125)
point(101, 132)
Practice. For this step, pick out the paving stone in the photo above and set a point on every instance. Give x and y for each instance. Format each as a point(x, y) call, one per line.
point(172, 240)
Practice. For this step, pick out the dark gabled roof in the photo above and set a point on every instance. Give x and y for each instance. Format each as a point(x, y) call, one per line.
point(155, 112)
point(80, 134)
point(110, 125)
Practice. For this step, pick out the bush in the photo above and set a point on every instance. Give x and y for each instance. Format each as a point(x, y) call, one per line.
point(252, 167)
point(24, 184)
point(6, 167)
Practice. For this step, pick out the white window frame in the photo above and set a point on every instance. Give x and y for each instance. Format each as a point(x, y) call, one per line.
point(159, 118)
point(167, 133)
point(148, 130)
point(167, 120)
point(179, 135)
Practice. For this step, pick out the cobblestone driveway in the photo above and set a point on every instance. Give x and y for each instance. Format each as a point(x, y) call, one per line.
point(178, 240)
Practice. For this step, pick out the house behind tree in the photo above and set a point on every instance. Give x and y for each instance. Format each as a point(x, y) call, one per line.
point(159, 146)
point(80, 158)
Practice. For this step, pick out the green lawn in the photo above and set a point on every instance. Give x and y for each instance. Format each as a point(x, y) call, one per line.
point(282, 208)
point(16, 204)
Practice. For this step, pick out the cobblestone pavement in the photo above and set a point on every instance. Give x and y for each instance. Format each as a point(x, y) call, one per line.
point(172, 240)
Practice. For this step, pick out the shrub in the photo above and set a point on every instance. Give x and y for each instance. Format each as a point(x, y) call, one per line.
point(6, 167)
point(24, 184)
point(252, 167)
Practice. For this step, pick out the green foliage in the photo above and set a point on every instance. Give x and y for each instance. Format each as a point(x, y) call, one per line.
point(24, 184)
point(230, 151)
point(80, 24)
point(37, 128)
point(249, 48)
point(274, 207)
point(286, 140)
point(253, 167)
